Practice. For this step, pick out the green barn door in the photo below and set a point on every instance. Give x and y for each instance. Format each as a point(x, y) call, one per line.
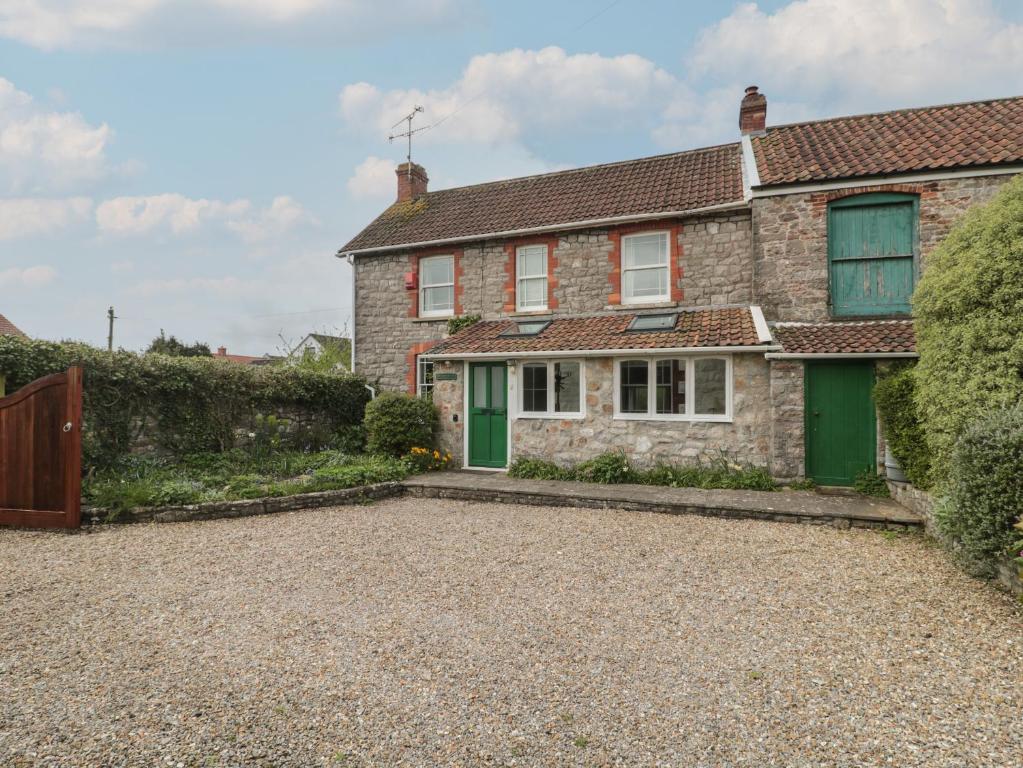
point(488, 415)
point(872, 244)
point(841, 434)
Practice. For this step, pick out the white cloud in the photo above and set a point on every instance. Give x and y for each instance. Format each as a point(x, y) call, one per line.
point(52, 24)
point(180, 215)
point(860, 52)
point(373, 178)
point(27, 277)
point(42, 149)
point(518, 94)
point(21, 217)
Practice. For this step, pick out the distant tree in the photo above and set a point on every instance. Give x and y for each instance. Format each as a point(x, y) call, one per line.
point(169, 345)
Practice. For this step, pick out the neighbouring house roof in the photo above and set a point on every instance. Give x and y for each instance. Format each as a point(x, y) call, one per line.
point(703, 328)
point(7, 328)
point(340, 343)
point(222, 354)
point(868, 337)
point(681, 181)
point(980, 133)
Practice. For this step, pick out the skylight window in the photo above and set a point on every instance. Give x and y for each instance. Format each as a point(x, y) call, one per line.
point(528, 328)
point(653, 322)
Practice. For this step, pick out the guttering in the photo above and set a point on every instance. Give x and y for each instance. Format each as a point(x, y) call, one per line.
point(350, 258)
point(889, 178)
point(838, 355)
point(584, 224)
point(575, 353)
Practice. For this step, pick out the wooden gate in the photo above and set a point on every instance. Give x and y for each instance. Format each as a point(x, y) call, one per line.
point(41, 453)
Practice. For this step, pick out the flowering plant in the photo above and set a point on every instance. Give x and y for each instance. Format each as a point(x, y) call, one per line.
point(426, 460)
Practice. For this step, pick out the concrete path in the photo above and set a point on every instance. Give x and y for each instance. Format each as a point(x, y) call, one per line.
point(783, 506)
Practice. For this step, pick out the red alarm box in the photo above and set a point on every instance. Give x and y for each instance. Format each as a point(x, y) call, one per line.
point(410, 281)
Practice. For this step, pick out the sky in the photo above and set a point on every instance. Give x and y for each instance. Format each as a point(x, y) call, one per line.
point(196, 164)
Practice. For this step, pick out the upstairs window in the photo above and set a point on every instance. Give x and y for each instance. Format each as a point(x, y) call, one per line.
point(437, 286)
point(531, 278)
point(872, 247)
point(645, 268)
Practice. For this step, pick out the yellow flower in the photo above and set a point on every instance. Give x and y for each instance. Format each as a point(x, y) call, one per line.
point(436, 454)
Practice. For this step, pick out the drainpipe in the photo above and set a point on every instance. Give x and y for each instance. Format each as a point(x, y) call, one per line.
point(350, 258)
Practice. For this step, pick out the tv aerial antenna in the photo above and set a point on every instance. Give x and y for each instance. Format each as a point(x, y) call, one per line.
point(408, 133)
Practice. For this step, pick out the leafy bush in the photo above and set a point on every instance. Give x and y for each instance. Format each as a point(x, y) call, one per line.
point(539, 469)
point(456, 324)
point(894, 395)
point(869, 483)
point(969, 322)
point(396, 423)
point(611, 467)
point(717, 473)
point(985, 489)
point(806, 484)
point(182, 404)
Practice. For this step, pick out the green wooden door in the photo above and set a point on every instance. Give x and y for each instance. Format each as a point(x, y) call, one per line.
point(488, 415)
point(872, 244)
point(841, 434)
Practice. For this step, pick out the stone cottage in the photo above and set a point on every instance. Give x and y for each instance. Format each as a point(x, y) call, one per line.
point(734, 299)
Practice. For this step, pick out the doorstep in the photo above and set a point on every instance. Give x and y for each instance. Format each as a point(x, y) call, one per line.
point(779, 506)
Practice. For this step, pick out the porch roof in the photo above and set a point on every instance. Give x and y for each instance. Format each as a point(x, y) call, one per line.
point(867, 338)
point(716, 329)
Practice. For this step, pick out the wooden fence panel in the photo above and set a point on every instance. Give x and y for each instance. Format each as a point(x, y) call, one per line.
point(41, 453)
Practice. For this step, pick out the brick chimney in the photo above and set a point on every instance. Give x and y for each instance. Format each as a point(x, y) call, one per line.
point(753, 112)
point(411, 186)
point(221, 351)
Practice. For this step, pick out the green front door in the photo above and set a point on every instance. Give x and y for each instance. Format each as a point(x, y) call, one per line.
point(488, 415)
point(841, 434)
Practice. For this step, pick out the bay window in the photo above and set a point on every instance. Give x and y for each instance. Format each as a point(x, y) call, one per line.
point(674, 388)
point(551, 389)
point(645, 268)
point(436, 286)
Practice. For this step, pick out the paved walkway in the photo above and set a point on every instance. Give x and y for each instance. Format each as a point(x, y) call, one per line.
point(783, 506)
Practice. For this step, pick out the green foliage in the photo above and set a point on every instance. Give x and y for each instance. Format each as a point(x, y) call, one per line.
point(456, 324)
point(539, 469)
point(869, 483)
point(894, 394)
point(333, 355)
point(171, 347)
point(184, 404)
point(420, 460)
point(152, 482)
point(397, 423)
point(969, 322)
point(806, 484)
point(611, 467)
point(985, 489)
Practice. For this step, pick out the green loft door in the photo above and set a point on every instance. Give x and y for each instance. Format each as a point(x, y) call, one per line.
point(841, 435)
point(488, 415)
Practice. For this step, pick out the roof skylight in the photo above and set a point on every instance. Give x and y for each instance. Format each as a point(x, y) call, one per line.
point(653, 322)
point(526, 328)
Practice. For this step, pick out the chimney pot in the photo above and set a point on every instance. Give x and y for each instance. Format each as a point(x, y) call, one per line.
point(753, 112)
point(222, 351)
point(411, 184)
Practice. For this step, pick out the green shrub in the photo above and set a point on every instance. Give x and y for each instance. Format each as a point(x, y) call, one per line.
point(805, 484)
point(969, 322)
point(985, 489)
point(717, 473)
point(612, 467)
point(184, 404)
point(397, 423)
point(869, 483)
point(456, 324)
point(896, 404)
point(539, 469)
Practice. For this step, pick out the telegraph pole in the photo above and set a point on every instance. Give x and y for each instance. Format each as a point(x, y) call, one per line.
point(110, 333)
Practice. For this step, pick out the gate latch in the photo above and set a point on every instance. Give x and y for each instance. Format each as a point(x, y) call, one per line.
point(67, 427)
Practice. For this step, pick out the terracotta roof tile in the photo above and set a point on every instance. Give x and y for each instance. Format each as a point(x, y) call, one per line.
point(677, 182)
point(725, 327)
point(930, 138)
point(866, 337)
point(7, 328)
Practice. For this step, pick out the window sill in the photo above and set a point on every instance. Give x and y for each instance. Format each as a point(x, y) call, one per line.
point(672, 418)
point(551, 416)
point(530, 313)
point(634, 307)
point(432, 319)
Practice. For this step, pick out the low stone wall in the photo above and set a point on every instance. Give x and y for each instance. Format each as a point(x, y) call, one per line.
point(249, 507)
point(922, 503)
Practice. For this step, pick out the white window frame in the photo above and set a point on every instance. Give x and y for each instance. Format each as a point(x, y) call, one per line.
point(424, 388)
point(651, 414)
point(423, 286)
point(550, 413)
point(666, 296)
point(520, 278)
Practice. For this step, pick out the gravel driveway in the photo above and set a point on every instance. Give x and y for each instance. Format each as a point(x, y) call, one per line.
point(417, 632)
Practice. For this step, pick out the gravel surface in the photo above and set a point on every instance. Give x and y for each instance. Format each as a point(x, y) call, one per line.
point(432, 632)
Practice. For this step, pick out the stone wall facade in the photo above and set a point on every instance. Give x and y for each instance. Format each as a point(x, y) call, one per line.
point(790, 239)
point(788, 449)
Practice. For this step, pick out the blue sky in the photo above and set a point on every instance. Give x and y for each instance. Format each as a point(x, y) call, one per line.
point(196, 163)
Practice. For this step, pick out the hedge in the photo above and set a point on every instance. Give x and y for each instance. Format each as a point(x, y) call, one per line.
point(397, 423)
point(894, 396)
point(184, 404)
point(969, 321)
